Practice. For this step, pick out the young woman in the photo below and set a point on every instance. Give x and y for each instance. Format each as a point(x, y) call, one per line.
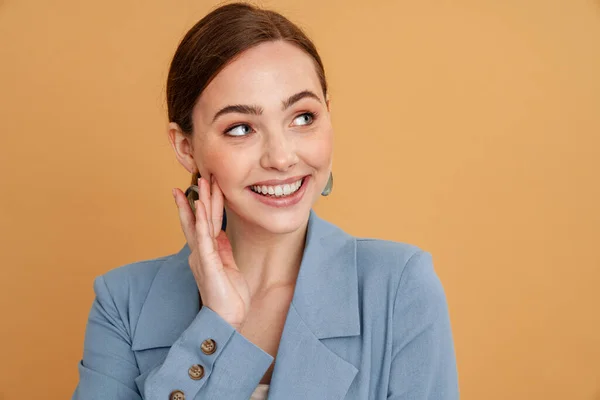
point(273, 299)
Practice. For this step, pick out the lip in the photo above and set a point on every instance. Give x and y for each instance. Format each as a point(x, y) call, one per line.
point(275, 182)
point(282, 202)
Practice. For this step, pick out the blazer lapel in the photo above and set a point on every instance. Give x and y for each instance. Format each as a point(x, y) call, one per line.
point(170, 306)
point(324, 305)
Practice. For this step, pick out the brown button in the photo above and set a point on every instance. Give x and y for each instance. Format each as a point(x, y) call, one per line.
point(196, 372)
point(177, 395)
point(208, 346)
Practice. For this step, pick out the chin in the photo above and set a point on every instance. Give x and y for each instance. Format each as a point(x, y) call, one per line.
point(283, 222)
point(278, 220)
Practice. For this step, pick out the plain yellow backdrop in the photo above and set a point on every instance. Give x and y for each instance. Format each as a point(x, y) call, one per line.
point(470, 128)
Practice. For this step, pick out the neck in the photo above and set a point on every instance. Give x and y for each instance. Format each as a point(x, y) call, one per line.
point(267, 260)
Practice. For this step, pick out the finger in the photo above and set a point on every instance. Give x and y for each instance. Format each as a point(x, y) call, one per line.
point(205, 198)
point(225, 251)
point(186, 217)
point(217, 207)
point(203, 238)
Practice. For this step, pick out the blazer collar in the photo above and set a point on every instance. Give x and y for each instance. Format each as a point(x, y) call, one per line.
point(325, 296)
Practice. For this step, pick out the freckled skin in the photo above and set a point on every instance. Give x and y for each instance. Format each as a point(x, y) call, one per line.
point(280, 144)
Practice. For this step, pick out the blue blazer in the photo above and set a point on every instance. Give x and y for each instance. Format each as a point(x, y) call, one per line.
point(368, 320)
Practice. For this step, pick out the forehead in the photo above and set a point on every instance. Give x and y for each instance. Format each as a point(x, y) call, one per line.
point(263, 75)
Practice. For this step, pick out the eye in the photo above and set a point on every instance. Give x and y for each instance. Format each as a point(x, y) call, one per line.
point(239, 130)
point(304, 119)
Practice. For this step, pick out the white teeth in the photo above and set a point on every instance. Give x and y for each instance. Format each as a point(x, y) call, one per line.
point(279, 190)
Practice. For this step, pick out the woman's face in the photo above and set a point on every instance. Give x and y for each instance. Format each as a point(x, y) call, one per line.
point(260, 125)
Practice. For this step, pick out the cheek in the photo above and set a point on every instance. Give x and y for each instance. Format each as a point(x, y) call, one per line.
point(318, 151)
point(221, 164)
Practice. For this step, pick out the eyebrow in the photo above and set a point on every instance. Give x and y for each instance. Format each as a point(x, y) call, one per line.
point(257, 110)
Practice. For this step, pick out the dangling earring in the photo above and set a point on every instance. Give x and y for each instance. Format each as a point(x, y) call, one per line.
point(193, 193)
point(329, 186)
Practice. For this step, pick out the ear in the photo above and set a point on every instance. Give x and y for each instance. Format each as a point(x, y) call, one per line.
point(183, 147)
point(328, 103)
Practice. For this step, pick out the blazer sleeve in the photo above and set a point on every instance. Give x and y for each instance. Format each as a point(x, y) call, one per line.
point(109, 368)
point(423, 357)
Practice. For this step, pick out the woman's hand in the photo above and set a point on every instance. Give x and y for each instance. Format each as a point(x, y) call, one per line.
point(221, 284)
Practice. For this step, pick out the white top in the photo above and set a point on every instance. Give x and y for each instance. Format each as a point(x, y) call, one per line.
point(260, 393)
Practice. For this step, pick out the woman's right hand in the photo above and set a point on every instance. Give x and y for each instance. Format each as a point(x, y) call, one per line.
point(220, 282)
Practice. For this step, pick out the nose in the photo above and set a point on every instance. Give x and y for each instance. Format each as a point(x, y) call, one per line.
point(279, 152)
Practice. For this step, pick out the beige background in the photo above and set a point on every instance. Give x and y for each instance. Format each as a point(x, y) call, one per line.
point(470, 128)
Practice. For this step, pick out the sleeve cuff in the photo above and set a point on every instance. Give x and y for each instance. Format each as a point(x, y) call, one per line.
point(235, 367)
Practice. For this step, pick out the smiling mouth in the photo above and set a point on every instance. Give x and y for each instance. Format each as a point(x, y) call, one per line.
point(278, 190)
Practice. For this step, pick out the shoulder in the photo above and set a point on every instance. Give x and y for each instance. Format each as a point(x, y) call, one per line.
point(384, 252)
point(382, 264)
point(129, 282)
point(406, 270)
point(389, 257)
